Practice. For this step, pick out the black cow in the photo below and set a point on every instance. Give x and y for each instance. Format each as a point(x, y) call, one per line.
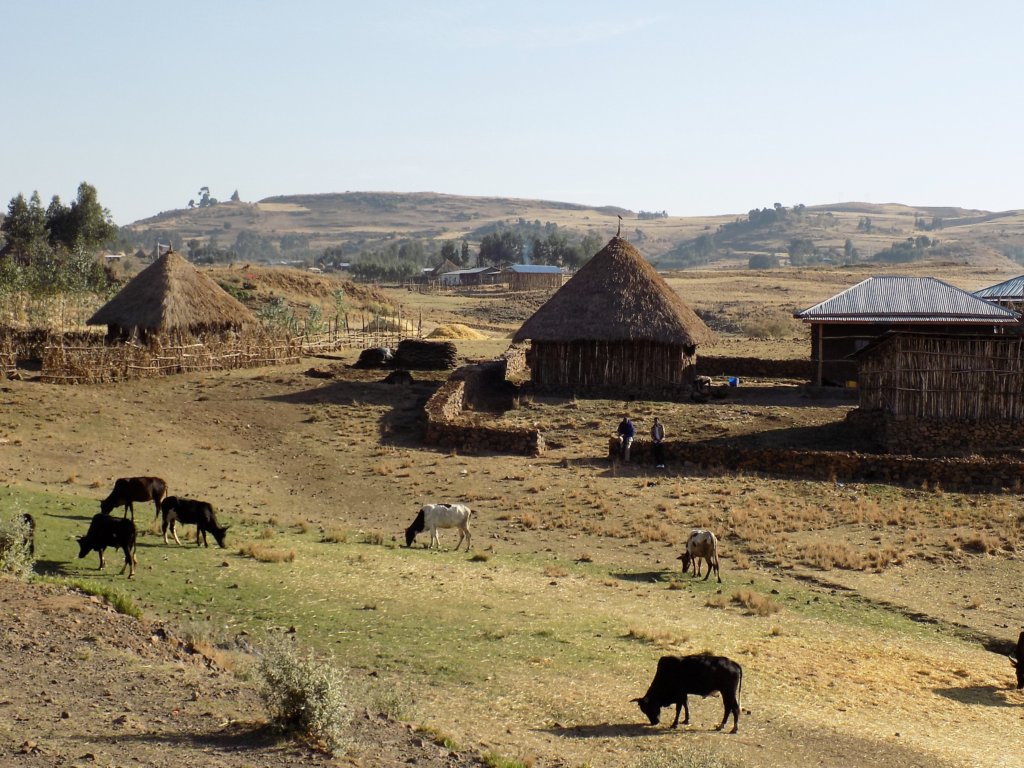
point(1018, 661)
point(700, 675)
point(106, 531)
point(192, 512)
point(29, 524)
point(131, 489)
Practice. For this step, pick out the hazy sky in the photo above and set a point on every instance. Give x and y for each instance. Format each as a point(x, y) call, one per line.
point(689, 107)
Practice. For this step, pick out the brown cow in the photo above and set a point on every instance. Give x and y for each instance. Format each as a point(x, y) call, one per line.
point(131, 489)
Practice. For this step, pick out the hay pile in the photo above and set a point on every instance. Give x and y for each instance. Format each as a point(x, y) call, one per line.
point(425, 355)
point(384, 324)
point(456, 331)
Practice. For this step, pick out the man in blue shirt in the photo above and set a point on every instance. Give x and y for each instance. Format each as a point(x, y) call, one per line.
point(626, 434)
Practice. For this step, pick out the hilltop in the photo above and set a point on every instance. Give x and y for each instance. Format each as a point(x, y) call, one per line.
point(303, 226)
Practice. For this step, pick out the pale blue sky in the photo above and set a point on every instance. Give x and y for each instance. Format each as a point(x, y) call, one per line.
point(694, 108)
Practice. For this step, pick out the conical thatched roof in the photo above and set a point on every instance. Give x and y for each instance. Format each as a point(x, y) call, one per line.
point(616, 296)
point(172, 295)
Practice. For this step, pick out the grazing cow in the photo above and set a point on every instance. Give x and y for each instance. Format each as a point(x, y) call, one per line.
point(1018, 661)
point(131, 489)
point(192, 512)
point(700, 675)
point(29, 524)
point(434, 516)
point(105, 531)
point(702, 545)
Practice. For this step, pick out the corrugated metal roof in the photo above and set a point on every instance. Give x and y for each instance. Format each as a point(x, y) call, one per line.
point(536, 269)
point(895, 299)
point(473, 271)
point(1008, 289)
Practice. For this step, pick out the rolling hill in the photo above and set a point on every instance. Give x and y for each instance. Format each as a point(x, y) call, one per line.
point(301, 227)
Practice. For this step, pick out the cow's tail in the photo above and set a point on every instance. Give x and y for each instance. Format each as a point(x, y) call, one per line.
point(739, 690)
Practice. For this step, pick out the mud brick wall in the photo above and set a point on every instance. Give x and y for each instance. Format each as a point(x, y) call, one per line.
point(971, 473)
point(450, 426)
point(755, 367)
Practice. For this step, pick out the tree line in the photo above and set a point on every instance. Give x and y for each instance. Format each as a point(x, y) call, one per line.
point(53, 249)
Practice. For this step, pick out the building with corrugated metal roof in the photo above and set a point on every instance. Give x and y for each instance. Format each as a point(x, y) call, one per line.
point(534, 277)
point(847, 322)
point(1009, 293)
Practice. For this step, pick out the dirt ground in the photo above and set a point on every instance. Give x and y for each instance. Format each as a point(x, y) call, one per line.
point(339, 436)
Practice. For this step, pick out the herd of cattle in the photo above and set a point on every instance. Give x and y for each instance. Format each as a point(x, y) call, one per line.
point(676, 677)
point(107, 531)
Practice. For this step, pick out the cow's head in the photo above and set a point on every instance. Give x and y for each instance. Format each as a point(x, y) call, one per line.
point(410, 535)
point(219, 534)
point(649, 708)
point(1018, 661)
point(685, 557)
point(106, 506)
point(84, 547)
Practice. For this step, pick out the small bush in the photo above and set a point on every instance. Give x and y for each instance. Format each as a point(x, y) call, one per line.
point(303, 696)
point(15, 557)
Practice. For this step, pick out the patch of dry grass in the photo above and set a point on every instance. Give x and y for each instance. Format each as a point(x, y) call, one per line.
point(265, 554)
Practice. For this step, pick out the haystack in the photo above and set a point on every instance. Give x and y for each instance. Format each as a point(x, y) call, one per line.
point(616, 326)
point(169, 297)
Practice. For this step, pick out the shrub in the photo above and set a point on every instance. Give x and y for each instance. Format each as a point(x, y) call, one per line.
point(15, 557)
point(304, 697)
point(754, 602)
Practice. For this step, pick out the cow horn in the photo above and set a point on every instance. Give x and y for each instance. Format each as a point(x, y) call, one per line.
point(1013, 661)
point(636, 700)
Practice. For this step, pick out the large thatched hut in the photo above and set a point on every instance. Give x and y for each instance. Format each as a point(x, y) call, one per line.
point(616, 327)
point(171, 297)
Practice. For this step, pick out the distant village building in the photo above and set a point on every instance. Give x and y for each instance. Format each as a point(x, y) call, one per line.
point(474, 276)
point(171, 297)
point(849, 321)
point(615, 327)
point(534, 277)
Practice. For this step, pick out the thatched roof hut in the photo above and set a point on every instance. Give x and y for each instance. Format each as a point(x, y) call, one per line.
point(616, 325)
point(171, 296)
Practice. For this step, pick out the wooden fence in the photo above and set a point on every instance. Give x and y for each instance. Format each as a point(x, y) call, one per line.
point(99, 362)
point(74, 360)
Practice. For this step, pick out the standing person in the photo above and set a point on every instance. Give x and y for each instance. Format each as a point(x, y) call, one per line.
point(657, 437)
point(626, 434)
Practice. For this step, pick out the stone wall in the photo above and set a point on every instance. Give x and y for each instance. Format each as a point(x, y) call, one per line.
point(937, 437)
point(451, 424)
point(973, 473)
point(755, 367)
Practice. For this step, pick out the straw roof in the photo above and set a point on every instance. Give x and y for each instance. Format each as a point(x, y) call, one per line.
point(616, 296)
point(172, 295)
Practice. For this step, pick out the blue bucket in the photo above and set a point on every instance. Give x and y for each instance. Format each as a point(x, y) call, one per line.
point(734, 381)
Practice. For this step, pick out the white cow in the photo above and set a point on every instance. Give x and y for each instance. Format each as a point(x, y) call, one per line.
point(701, 545)
point(434, 516)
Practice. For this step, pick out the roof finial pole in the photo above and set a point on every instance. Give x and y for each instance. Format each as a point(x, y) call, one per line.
point(618, 232)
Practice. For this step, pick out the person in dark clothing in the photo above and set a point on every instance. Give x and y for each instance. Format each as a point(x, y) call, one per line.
point(657, 439)
point(626, 434)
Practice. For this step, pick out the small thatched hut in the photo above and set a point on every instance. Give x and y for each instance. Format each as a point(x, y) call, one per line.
point(615, 326)
point(171, 297)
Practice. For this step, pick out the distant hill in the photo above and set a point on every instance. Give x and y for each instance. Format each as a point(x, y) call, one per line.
point(300, 227)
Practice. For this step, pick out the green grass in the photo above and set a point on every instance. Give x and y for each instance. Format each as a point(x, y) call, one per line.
point(438, 627)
